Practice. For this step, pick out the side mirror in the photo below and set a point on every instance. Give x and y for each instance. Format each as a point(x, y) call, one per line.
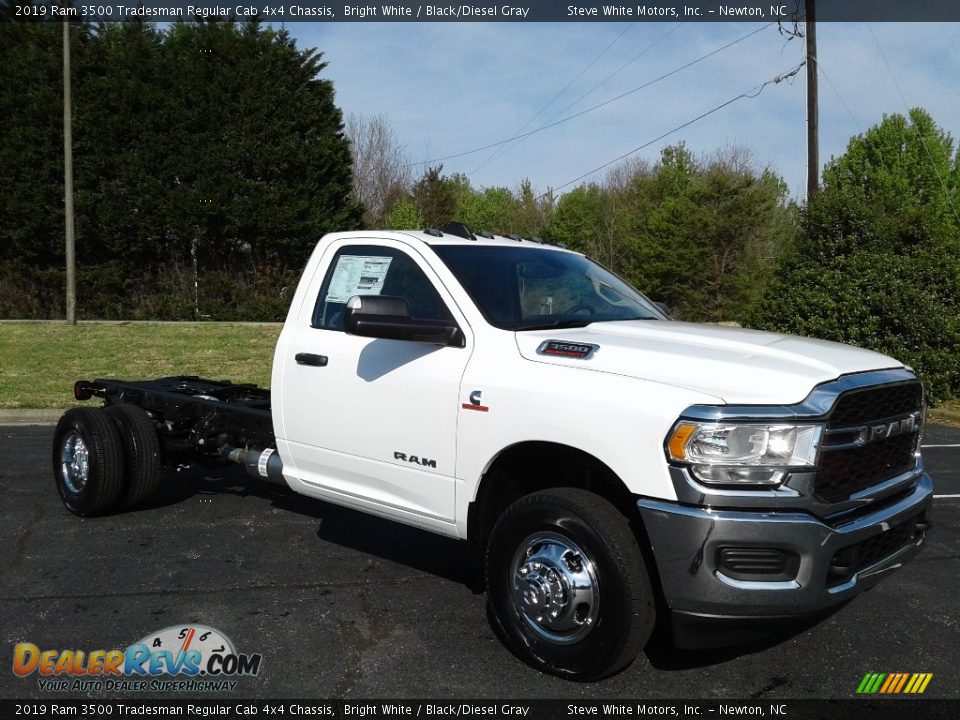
point(388, 318)
point(662, 306)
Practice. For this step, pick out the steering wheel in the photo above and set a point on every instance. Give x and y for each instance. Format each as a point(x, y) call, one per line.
point(578, 309)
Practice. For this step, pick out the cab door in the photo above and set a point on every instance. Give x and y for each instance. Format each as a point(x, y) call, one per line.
point(372, 422)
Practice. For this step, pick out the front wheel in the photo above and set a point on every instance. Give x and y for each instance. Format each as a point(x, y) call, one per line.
point(567, 584)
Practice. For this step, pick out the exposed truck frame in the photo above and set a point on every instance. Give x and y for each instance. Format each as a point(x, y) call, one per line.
point(199, 420)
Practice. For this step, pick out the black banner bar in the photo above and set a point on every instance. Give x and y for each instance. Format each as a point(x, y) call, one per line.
point(888, 709)
point(486, 11)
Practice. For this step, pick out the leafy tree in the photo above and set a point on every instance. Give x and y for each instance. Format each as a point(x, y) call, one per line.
point(533, 212)
point(262, 160)
point(122, 143)
point(217, 142)
point(31, 141)
point(578, 218)
point(403, 215)
point(490, 209)
point(705, 231)
point(435, 197)
point(878, 261)
point(697, 234)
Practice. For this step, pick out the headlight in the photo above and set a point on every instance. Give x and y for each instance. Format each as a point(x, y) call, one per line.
point(743, 454)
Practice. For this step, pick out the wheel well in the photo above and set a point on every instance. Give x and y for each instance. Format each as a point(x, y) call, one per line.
point(531, 466)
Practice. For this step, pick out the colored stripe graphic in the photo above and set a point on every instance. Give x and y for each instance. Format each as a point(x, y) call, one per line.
point(871, 683)
point(899, 687)
point(891, 680)
point(919, 683)
point(894, 683)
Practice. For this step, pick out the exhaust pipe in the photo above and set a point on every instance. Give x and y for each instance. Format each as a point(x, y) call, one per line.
point(264, 464)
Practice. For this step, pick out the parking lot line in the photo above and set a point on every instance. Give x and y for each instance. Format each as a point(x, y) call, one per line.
point(940, 497)
point(939, 446)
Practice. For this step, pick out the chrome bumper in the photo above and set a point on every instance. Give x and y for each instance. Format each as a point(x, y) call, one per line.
point(686, 541)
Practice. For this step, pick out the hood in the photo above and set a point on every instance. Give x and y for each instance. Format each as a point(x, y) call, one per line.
point(735, 365)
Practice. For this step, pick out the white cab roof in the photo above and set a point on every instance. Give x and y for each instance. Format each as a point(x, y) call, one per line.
point(446, 239)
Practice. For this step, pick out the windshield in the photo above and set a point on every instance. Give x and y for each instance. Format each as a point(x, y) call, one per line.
point(531, 288)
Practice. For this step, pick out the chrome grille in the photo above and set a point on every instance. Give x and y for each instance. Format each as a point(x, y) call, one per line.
point(862, 407)
point(854, 465)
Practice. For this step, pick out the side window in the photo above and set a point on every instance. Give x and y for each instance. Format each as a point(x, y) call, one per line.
point(370, 270)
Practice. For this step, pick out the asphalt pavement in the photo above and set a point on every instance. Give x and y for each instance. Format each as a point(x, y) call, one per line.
point(344, 605)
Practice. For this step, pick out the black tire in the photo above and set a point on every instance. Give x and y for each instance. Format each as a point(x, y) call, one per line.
point(584, 540)
point(142, 450)
point(88, 462)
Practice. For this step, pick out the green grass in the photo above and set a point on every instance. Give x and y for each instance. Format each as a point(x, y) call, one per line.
point(39, 362)
point(945, 413)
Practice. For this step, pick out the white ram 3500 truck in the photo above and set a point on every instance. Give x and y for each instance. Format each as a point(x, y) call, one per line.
point(612, 465)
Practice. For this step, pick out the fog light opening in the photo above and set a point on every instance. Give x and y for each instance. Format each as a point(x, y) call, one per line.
point(757, 564)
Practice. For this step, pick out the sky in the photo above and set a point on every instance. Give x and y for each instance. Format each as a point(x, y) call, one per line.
point(449, 88)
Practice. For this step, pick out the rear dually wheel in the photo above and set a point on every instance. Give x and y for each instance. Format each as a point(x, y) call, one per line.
point(141, 450)
point(88, 460)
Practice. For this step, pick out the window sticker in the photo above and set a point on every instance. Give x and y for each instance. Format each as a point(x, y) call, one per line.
point(357, 275)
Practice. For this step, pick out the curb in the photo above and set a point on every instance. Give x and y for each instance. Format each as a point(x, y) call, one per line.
point(30, 417)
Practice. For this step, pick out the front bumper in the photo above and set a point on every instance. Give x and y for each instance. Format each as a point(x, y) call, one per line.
point(686, 542)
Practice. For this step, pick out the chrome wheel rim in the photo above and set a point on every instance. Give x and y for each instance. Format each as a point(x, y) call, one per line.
point(554, 588)
point(74, 462)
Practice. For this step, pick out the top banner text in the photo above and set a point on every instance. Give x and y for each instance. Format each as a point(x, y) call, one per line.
point(278, 11)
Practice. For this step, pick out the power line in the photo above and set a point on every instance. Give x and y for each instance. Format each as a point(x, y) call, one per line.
point(563, 90)
point(595, 107)
point(836, 92)
point(620, 69)
point(749, 94)
point(589, 92)
point(923, 143)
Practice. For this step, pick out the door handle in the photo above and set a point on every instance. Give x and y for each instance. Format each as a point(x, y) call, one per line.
point(311, 359)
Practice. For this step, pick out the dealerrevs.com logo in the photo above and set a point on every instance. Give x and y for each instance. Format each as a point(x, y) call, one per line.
point(188, 658)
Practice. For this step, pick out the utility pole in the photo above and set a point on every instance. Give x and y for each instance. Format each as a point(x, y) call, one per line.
point(68, 179)
point(813, 142)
